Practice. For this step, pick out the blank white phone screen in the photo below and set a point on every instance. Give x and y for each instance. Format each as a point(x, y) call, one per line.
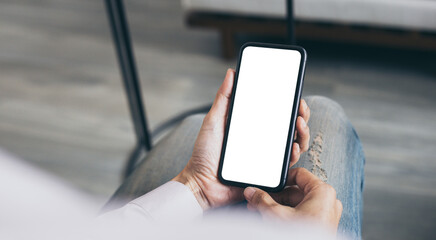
point(261, 116)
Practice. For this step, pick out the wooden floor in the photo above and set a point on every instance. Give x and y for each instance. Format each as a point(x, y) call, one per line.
point(62, 105)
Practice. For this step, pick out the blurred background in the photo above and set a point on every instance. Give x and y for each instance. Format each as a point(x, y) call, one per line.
point(63, 106)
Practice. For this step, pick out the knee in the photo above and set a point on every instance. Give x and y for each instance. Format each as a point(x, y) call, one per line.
point(323, 102)
point(330, 108)
point(328, 118)
point(327, 112)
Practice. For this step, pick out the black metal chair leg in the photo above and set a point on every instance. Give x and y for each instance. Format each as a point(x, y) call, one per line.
point(290, 21)
point(120, 33)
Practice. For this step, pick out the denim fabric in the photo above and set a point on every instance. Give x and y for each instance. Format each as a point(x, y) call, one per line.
point(335, 155)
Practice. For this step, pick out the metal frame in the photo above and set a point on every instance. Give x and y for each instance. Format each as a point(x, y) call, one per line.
point(125, 54)
point(123, 45)
point(290, 21)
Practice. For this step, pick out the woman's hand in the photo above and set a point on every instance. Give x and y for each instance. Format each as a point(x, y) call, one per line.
point(200, 174)
point(306, 197)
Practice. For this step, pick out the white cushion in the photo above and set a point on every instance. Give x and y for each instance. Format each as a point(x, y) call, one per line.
point(404, 14)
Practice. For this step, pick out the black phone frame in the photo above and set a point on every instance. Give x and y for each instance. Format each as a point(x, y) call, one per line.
point(293, 120)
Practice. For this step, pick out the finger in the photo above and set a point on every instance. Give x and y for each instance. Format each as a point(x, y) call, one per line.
point(222, 98)
point(337, 214)
point(303, 134)
point(251, 208)
point(304, 110)
point(339, 209)
point(295, 154)
point(259, 200)
point(304, 179)
point(290, 196)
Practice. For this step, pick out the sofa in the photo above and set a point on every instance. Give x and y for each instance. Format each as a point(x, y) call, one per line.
point(398, 23)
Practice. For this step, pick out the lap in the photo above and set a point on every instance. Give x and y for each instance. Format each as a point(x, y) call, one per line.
point(335, 156)
point(161, 164)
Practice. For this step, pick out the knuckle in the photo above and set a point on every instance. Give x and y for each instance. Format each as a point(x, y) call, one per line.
point(263, 198)
point(305, 146)
point(303, 131)
point(221, 96)
point(207, 118)
point(339, 205)
point(301, 119)
point(339, 209)
point(296, 154)
point(318, 186)
point(329, 189)
point(299, 171)
point(258, 198)
point(307, 130)
point(210, 122)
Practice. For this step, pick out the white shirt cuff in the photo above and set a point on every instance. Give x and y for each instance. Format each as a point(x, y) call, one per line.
point(171, 201)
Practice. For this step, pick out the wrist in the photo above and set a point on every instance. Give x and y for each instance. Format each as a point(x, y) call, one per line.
point(191, 183)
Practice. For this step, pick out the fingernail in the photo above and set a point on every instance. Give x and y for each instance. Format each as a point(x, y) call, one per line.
point(304, 123)
point(248, 193)
point(305, 105)
point(298, 148)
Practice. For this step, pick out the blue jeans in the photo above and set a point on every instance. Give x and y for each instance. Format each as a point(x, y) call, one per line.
point(335, 155)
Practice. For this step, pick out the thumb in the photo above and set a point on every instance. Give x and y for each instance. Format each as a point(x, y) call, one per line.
point(260, 200)
point(220, 104)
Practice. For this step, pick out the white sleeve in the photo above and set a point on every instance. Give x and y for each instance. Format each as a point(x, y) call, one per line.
point(170, 202)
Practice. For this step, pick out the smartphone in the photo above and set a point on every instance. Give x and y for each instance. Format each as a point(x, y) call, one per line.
point(261, 117)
